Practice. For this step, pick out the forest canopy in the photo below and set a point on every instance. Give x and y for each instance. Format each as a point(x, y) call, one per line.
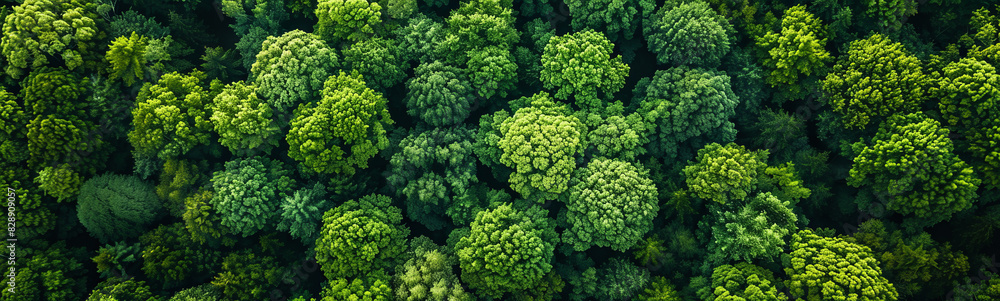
point(328, 150)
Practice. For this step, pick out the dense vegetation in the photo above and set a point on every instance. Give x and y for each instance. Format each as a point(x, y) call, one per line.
point(501, 149)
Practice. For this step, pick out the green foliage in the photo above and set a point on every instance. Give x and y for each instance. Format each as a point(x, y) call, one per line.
point(360, 236)
point(130, 21)
point(302, 213)
point(120, 289)
point(432, 170)
point(172, 116)
point(115, 207)
point(610, 203)
point(877, 79)
point(418, 38)
point(507, 250)
point(54, 140)
point(347, 20)
point(427, 275)
point(201, 220)
point(745, 281)
point(969, 93)
point(614, 135)
point(127, 56)
point(540, 142)
point(343, 130)
point(378, 60)
point(40, 30)
point(492, 71)
point(617, 19)
point(724, 173)
point(247, 194)
point(660, 289)
point(246, 276)
point(170, 256)
point(682, 103)
point(910, 160)
point(244, 122)
point(113, 260)
point(828, 268)
point(178, 180)
point(621, 280)
point(439, 94)
point(60, 182)
point(220, 63)
point(756, 230)
point(292, 68)
point(796, 51)
point(368, 288)
point(688, 33)
point(477, 24)
point(890, 14)
point(204, 292)
point(581, 65)
point(48, 273)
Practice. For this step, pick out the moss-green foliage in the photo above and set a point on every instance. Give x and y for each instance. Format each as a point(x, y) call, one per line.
point(827, 268)
point(617, 19)
point(724, 173)
point(368, 288)
point(796, 52)
point(540, 142)
point(201, 220)
point(171, 257)
point(427, 275)
point(247, 194)
point(507, 250)
point(686, 108)
point(245, 275)
point(60, 182)
point(115, 207)
point(50, 272)
point(745, 281)
point(492, 71)
point(290, 69)
point(581, 65)
point(439, 94)
point(360, 236)
point(204, 292)
point(58, 32)
point(244, 121)
point(178, 180)
point(127, 56)
point(610, 203)
point(432, 170)
point(911, 160)
point(757, 229)
point(418, 38)
point(378, 60)
point(116, 260)
point(172, 116)
point(969, 93)
point(688, 33)
point(352, 119)
point(660, 289)
point(122, 290)
point(615, 135)
point(877, 78)
point(347, 20)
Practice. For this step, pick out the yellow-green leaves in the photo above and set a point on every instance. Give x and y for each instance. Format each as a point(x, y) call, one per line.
point(797, 51)
point(724, 173)
point(969, 93)
point(827, 268)
point(611, 203)
point(580, 65)
point(350, 20)
point(42, 29)
point(878, 78)
point(540, 143)
point(343, 130)
point(127, 56)
point(292, 68)
point(507, 250)
point(359, 237)
point(243, 120)
point(172, 116)
point(910, 160)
